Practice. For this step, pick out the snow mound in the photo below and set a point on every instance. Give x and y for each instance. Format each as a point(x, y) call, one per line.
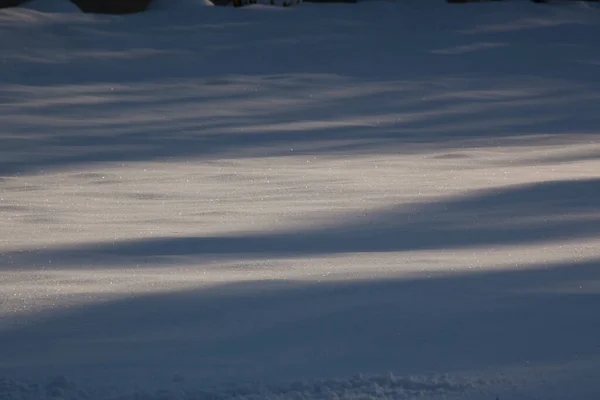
point(359, 387)
point(174, 5)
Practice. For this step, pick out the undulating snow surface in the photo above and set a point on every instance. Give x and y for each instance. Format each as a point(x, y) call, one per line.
point(204, 202)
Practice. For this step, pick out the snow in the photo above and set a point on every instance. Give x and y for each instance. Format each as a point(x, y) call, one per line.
point(375, 200)
point(358, 387)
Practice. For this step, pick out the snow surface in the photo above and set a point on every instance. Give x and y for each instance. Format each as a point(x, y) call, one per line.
point(206, 202)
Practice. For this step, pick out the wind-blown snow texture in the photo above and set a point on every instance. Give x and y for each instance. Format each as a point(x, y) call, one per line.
point(204, 202)
point(358, 387)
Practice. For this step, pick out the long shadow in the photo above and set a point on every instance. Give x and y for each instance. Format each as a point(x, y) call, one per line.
point(531, 319)
point(545, 212)
point(98, 105)
point(41, 134)
point(348, 85)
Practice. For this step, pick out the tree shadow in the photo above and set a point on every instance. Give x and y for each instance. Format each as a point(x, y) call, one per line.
point(129, 100)
point(533, 318)
point(95, 89)
point(267, 116)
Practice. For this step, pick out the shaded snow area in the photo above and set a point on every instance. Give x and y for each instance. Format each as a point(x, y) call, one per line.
point(381, 200)
point(358, 387)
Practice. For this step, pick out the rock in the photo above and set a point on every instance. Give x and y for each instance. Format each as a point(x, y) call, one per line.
point(111, 6)
point(330, 1)
point(10, 3)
